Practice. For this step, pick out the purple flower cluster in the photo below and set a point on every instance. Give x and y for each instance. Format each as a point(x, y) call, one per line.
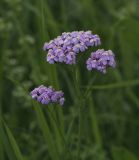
point(64, 48)
point(47, 95)
point(100, 60)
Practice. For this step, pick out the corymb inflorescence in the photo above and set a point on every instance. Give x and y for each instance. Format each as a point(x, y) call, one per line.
point(64, 48)
point(100, 60)
point(47, 95)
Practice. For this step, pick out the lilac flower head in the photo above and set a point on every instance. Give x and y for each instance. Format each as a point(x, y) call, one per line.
point(100, 60)
point(47, 95)
point(64, 48)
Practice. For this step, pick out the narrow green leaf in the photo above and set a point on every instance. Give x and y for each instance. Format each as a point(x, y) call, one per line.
point(6, 143)
point(9, 143)
point(13, 144)
point(60, 141)
point(48, 136)
point(116, 85)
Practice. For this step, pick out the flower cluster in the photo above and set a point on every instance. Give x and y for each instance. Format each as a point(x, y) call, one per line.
point(64, 48)
point(47, 95)
point(100, 60)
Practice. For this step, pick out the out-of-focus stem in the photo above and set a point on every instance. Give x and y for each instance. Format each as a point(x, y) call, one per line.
point(95, 126)
point(78, 95)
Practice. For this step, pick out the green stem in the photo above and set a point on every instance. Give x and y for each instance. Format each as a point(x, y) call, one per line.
point(48, 137)
point(95, 125)
point(59, 129)
point(78, 92)
point(79, 132)
point(95, 128)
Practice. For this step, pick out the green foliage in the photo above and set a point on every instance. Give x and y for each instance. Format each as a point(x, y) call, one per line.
point(9, 143)
point(122, 154)
point(99, 120)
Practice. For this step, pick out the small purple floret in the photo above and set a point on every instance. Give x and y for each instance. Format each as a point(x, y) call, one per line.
point(100, 60)
point(64, 48)
point(47, 95)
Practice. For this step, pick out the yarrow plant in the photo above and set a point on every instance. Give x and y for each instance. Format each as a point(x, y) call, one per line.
point(47, 95)
point(100, 60)
point(64, 48)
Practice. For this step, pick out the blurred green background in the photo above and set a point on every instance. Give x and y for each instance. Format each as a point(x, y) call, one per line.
point(109, 120)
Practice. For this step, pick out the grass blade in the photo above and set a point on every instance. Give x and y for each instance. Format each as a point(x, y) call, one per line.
point(10, 143)
point(116, 85)
point(46, 133)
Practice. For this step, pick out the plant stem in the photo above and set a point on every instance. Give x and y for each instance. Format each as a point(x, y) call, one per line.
point(79, 132)
point(95, 126)
point(78, 92)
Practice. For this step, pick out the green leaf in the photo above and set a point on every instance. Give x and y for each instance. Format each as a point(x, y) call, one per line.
point(10, 145)
point(117, 85)
point(58, 132)
point(48, 136)
point(13, 144)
